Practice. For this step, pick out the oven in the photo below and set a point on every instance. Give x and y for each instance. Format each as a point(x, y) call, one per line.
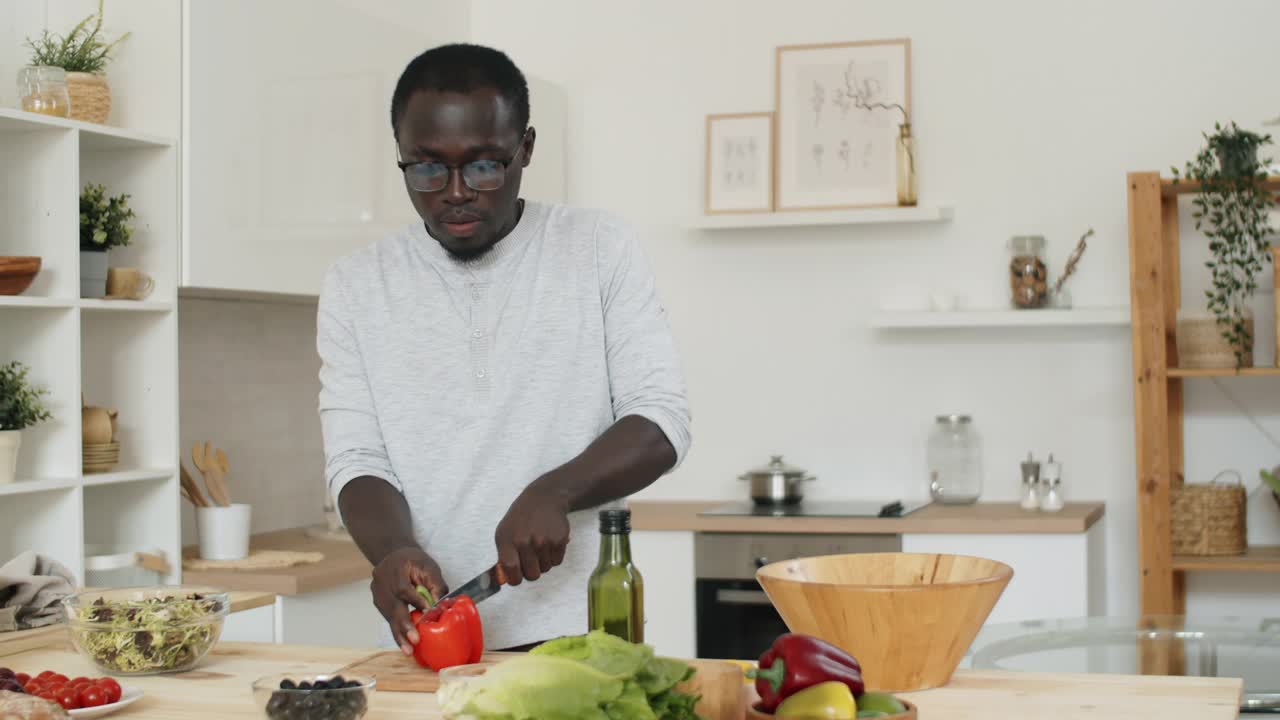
point(735, 619)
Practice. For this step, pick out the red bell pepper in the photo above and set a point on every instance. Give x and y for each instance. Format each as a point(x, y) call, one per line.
point(796, 662)
point(449, 634)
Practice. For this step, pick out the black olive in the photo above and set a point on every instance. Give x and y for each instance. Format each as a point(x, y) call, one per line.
point(304, 685)
point(278, 704)
point(287, 684)
point(352, 683)
point(341, 681)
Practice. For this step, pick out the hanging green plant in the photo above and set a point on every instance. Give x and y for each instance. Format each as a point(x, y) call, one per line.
point(1231, 209)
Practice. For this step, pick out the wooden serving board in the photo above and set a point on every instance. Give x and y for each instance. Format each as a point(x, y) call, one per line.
point(397, 672)
point(720, 683)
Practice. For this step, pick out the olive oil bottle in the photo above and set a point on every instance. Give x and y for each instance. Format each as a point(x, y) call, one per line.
point(615, 593)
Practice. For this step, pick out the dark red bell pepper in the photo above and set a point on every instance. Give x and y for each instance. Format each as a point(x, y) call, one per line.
point(796, 662)
point(449, 634)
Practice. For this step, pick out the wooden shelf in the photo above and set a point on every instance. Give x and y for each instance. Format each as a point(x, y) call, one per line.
point(127, 476)
point(92, 136)
point(127, 305)
point(1168, 188)
point(865, 216)
point(34, 485)
point(1077, 317)
point(1223, 372)
point(1261, 558)
point(30, 301)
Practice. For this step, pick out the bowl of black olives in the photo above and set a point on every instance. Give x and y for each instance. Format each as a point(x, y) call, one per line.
point(314, 697)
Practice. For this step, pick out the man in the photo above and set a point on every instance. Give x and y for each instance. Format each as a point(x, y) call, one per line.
point(491, 374)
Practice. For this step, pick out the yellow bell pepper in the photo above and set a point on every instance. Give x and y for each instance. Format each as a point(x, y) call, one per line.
point(830, 700)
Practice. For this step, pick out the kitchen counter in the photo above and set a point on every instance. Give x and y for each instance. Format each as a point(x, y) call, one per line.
point(220, 688)
point(980, 518)
point(342, 564)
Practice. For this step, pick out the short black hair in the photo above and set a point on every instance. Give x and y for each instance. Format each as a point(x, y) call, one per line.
point(462, 68)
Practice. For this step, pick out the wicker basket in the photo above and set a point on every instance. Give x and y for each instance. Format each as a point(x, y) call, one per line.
point(1199, 338)
point(90, 97)
point(1209, 518)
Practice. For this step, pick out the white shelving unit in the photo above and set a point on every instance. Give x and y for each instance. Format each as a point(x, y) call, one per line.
point(785, 219)
point(1076, 317)
point(113, 353)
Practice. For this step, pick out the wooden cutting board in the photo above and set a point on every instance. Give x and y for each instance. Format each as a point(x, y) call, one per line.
point(723, 691)
point(397, 672)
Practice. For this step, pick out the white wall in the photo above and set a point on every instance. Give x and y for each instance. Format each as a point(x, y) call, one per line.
point(249, 383)
point(1028, 115)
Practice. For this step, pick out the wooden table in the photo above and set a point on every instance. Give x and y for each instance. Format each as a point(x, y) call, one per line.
point(220, 688)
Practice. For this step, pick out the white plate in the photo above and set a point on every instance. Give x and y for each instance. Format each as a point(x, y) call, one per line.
point(128, 696)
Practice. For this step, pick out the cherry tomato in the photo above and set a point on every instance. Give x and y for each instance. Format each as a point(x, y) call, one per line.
point(80, 681)
point(111, 688)
point(68, 699)
point(44, 674)
point(92, 696)
point(23, 679)
point(47, 694)
point(33, 687)
point(59, 678)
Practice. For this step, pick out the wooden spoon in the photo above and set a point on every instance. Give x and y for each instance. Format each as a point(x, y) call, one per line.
point(202, 456)
point(224, 467)
point(190, 489)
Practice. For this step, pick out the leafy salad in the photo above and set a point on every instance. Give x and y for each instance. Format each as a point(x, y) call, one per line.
point(157, 634)
point(586, 677)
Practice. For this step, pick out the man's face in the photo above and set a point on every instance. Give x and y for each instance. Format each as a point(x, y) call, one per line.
point(456, 129)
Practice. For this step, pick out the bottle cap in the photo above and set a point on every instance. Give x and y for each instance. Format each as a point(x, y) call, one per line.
point(1052, 470)
point(615, 521)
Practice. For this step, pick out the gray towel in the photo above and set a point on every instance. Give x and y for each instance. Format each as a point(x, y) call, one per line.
point(30, 587)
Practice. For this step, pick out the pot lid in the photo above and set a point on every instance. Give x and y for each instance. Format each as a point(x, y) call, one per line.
point(776, 467)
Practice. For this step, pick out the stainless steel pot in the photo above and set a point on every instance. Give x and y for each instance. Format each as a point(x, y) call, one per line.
point(776, 483)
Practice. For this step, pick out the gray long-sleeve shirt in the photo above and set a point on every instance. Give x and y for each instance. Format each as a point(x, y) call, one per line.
point(461, 383)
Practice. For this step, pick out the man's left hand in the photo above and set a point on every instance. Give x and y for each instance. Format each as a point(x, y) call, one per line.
point(532, 537)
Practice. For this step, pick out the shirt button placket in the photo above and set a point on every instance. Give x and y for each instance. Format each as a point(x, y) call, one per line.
point(479, 343)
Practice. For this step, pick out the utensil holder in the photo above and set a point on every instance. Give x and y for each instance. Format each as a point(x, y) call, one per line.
point(224, 532)
point(1209, 518)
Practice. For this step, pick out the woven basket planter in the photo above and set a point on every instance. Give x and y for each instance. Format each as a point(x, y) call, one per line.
point(1209, 518)
point(1199, 338)
point(90, 97)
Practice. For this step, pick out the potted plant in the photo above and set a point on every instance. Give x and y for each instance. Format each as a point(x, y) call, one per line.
point(1232, 210)
point(20, 407)
point(104, 224)
point(83, 54)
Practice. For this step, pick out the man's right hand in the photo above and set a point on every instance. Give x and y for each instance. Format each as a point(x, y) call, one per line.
point(394, 587)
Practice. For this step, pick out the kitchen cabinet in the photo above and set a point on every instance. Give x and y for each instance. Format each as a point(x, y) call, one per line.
point(1054, 575)
point(289, 161)
point(665, 560)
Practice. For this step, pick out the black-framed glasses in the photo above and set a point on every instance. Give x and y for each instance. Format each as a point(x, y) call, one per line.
point(479, 175)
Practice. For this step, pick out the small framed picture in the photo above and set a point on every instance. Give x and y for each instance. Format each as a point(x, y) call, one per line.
point(739, 163)
point(840, 107)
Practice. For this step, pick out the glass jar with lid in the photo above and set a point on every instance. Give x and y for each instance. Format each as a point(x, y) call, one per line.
point(43, 89)
point(1028, 274)
point(955, 460)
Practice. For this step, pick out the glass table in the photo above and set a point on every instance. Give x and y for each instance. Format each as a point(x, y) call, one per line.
point(1237, 647)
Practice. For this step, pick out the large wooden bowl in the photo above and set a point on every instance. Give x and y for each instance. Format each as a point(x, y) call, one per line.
point(16, 273)
point(907, 617)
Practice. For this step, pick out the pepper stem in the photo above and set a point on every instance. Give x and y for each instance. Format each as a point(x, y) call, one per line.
point(773, 674)
point(424, 592)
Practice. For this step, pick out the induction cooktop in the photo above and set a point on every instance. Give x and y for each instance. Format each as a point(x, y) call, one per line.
point(821, 508)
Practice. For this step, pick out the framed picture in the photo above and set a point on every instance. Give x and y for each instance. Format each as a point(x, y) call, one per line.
point(739, 163)
point(839, 107)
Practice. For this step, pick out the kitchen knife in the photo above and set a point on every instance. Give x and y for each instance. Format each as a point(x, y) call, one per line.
point(480, 587)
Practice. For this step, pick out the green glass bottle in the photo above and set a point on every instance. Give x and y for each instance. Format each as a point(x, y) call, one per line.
point(615, 593)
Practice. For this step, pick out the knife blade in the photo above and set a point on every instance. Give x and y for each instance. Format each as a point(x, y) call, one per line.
point(479, 588)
